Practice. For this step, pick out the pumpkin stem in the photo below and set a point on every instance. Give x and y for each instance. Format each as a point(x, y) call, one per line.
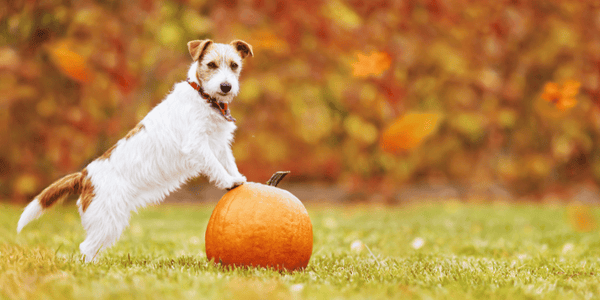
point(276, 178)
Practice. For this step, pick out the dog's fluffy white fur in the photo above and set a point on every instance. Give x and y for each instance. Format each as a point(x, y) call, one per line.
point(181, 138)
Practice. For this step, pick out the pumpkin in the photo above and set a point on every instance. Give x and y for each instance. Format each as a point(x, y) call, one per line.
point(257, 225)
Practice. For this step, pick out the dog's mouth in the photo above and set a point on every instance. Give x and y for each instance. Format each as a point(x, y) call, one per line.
point(221, 106)
point(223, 97)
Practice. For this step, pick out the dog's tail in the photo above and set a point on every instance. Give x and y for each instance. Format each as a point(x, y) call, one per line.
point(70, 184)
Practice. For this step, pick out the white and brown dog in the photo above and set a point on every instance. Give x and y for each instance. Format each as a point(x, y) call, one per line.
point(188, 134)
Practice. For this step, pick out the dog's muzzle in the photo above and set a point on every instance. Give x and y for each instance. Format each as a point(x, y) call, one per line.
point(220, 106)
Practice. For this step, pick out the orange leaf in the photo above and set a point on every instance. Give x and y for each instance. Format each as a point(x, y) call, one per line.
point(581, 218)
point(267, 39)
point(551, 92)
point(373, 64)
point(570, 88)
point(565, 103)
point(409, 131)
point(70, 63)
point(562, 97)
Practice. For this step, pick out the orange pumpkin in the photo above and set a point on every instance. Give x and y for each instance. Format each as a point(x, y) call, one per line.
point(262, 226)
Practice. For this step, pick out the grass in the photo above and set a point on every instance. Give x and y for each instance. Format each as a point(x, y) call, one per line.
point(468, 251)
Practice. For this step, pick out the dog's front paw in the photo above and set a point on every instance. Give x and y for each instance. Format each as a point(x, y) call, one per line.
point(240, 179)
point(237, 182)
point(231, 183)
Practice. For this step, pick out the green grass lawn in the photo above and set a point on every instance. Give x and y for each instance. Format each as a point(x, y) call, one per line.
point(441, 251)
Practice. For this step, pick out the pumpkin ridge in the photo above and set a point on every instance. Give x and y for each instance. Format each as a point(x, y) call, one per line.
point(219, 216)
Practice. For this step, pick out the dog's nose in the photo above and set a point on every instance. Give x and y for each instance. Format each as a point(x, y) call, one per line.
point(225, 87)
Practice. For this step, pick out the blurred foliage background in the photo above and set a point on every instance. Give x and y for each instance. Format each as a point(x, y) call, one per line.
point(328, 77)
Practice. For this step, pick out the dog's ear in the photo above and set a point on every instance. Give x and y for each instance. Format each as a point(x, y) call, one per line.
point(197, 48)
point(243, 48)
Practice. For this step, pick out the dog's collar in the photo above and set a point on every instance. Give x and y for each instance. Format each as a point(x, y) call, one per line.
point(221, 107)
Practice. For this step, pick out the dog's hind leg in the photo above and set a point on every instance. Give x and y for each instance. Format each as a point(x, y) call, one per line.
point(103, 224)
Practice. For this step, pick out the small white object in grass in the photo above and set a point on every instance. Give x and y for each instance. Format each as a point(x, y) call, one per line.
point(297, 288)
point(417, 243)
point(357, 246)
point(568, 247)
point(194, 240)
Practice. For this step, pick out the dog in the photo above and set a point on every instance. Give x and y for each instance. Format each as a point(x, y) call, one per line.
point(186, 135)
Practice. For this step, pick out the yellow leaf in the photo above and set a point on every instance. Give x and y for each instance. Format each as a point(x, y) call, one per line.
point(26, 184)
point(170, 34)
point(196, 23)
point(360, 129)
point(341, 14)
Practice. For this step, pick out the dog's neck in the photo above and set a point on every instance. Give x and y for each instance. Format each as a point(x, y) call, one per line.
point(221, 107)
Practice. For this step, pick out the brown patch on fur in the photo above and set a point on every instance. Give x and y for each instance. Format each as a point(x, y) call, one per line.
point(204, 74)
point(197, 48)
point(235, 69)
point(243, 48)
point(132, 132)
point(87, 191)
point(106, 155)
point(70, 184)
point(76, 183)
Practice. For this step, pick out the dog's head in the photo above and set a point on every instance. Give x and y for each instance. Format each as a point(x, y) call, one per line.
point(218, 66)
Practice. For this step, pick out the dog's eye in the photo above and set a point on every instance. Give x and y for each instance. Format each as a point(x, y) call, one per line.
point(212, 65)
point(234, 66)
